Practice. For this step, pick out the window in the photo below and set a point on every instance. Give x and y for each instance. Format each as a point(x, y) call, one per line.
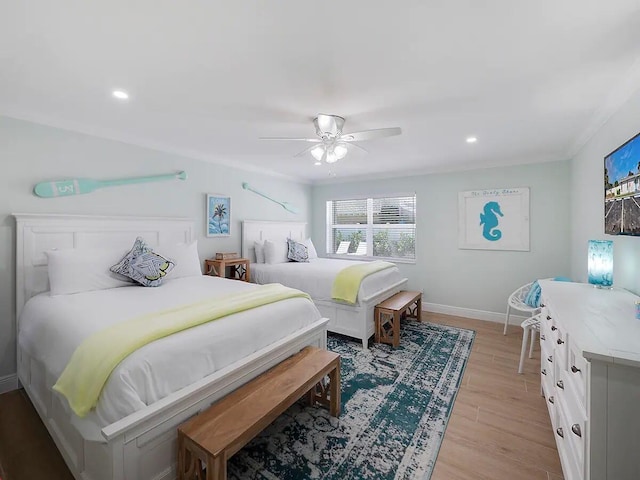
point(374, 227)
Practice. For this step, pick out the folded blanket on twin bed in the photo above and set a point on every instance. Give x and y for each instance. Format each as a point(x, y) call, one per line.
point(347, 282)
point(93, 361)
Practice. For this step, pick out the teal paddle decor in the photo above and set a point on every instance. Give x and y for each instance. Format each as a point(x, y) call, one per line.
point(287, 206)
point(78, 186)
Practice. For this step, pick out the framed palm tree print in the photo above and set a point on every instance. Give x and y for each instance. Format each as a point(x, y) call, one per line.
point(218, 215)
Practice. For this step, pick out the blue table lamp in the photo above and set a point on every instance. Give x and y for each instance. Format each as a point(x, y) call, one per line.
point(600, 265)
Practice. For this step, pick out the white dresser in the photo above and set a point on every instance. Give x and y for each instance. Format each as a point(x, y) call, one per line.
point(590, 371)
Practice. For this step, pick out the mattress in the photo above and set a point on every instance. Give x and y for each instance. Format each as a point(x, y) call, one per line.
point(51, 327)
point(316, 277)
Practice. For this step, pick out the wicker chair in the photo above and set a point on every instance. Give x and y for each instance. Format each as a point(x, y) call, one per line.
point(529, 326)
point(516, 301)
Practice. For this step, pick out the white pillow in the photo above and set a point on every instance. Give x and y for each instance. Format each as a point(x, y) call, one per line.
point(259, 249)
point(311, 249)
point(276, 252)
point(185, 256)
point(74, 270)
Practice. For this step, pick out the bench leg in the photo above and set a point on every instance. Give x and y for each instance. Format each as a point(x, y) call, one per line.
point(334, 383)
point(181, 454)
point(217, 468)
point(189, 465)
point(396, 328)
point(415, 309)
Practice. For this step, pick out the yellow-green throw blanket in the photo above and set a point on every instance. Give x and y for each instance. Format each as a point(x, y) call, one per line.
point(93, 361)
point(347, 282)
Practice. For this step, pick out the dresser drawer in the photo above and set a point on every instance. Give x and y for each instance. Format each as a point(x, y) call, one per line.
point(547, 373)
point(577, 372)
point(573, 427)
point(546, 335)
point(550, 400)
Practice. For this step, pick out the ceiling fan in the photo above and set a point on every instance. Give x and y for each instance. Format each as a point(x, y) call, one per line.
point(333, 145)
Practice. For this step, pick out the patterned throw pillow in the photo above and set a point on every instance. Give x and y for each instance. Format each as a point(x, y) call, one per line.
point(143, 265)
point(298, 252)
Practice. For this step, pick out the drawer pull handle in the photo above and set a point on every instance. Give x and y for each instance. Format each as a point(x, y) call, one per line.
point(560, 432)
point(574, 369)
point(551, 400)
point(542, 337)
point(548, 317)
point(550, 358)
point(553, 328)
point(543, 371)
point(560, 384)
point(575, 428)
point(560, 341)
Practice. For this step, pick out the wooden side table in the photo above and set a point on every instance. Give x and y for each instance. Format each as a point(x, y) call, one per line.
point(238, 267)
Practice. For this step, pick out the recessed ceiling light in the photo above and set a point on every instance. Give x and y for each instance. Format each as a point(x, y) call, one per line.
point(120, 94)
point(472, 139)
point(318, 162)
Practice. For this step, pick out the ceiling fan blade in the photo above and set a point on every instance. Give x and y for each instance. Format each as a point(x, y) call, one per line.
point(312, 140)
point(358, 147)
point(370, 134)
point(305, 151)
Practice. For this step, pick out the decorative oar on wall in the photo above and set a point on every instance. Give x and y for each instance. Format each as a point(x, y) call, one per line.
point(286, 205)
point(78, 186)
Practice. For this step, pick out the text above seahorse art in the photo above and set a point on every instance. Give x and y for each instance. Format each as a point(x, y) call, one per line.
point(494, 219)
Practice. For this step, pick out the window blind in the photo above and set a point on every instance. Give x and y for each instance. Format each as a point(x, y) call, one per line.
point(376, 227)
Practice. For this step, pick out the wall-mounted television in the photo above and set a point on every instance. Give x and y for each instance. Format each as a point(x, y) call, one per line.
point(622, 189)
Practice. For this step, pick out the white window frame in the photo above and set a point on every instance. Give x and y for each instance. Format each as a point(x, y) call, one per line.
point(368, 228)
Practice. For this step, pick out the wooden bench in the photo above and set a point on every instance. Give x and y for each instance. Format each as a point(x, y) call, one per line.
point(212, 437)
point(387, 315)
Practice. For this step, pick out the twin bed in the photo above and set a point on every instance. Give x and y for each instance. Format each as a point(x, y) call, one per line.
point(131, 433)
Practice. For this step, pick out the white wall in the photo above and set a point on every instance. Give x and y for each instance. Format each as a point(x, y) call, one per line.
point(479, 280)
point(587, 195)
point(32, 153)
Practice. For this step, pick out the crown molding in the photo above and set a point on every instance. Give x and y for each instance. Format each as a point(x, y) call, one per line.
point(435, 170)
point(614, 101)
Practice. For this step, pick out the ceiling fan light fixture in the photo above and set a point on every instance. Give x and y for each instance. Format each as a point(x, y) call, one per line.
point(340, 151)
point(317, 152)
point(331, 157)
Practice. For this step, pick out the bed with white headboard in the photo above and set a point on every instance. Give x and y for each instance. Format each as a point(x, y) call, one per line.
point(355, 321)
point(141, 446)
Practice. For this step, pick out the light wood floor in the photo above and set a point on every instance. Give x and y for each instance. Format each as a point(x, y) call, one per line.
point(499, 429)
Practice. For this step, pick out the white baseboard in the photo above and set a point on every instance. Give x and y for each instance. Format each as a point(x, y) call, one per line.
point(472, 313)
point(8, 383)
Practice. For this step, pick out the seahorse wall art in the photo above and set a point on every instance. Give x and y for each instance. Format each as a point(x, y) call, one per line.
point(489, 221)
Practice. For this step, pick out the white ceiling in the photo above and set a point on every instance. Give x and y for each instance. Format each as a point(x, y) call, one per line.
point(531, 79)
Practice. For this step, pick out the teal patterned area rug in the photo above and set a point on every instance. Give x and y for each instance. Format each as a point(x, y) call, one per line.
point(395, 408)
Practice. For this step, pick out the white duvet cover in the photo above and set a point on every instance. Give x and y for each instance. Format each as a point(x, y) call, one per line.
point(316, 276)
point(51, 327)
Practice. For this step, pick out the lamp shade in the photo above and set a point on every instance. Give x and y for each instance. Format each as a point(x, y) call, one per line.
point(600, 263)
